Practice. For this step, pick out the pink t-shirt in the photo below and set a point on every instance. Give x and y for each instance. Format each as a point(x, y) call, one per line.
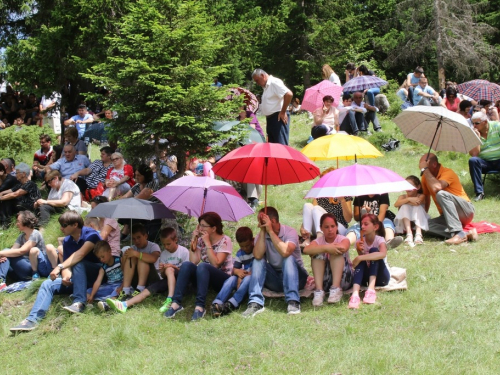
point(321, 241)
point(376, 243)
point(113, 236)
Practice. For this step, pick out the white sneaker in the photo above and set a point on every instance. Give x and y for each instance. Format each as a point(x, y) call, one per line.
point(335, 295)
point(319, 296)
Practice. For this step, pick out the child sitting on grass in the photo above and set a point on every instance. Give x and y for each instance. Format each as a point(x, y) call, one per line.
point(170, 260)
point(240, 280)
point(370, 266)
point(112, 268)
point(411, 209)
point(142, 260)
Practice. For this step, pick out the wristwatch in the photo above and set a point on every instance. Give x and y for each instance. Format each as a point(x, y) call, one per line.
point(61, 267)
point(423, 170)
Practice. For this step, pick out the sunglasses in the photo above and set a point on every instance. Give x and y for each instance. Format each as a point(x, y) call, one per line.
point(115, 159)
point(49, 181)
point(476, 123)
point(65, 225)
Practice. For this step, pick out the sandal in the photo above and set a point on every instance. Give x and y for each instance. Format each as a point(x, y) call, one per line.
point(419, 239)
point(409, 238)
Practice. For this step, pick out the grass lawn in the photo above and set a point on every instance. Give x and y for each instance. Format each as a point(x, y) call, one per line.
point(443, 324)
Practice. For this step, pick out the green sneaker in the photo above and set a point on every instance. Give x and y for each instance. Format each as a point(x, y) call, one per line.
point(116, 305)
point(166, 305)
point(135, 293)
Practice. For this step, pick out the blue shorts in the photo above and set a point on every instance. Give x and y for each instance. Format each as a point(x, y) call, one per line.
point(356, 228)
point(44, 266)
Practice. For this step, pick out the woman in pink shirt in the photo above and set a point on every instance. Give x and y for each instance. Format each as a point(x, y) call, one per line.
point(451, 101)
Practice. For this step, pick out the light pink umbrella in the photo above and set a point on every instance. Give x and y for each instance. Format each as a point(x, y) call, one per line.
point(313, 98)
point(196, 195)
point(357, 180)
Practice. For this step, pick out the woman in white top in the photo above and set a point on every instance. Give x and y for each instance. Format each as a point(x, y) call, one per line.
point(326, 119)
point(328, 73)
point(63, 193)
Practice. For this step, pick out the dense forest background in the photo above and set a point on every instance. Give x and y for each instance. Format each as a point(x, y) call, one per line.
point(156, 58)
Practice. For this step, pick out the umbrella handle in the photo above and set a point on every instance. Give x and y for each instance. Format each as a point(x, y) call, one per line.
point(434, 137)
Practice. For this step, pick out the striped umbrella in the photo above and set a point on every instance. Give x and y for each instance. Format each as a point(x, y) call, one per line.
point(480, 89)
point(363, 83)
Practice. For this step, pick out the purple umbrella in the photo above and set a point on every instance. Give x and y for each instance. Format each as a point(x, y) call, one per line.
point(195, 195)
point(363, 83)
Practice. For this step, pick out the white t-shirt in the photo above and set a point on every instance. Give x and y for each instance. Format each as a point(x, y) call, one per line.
point(335, 79)
point(150, 248)
point(176, 258)
point(272, 97)
point(66, 185)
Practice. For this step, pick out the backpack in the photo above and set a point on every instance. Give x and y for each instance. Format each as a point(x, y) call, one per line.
point(391, 145)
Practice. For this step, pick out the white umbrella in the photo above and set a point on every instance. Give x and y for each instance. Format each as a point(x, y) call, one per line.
point(438, 128)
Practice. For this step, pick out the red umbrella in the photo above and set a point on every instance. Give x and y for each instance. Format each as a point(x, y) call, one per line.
point(313, 98)
point(266, 164)
point(479, 89)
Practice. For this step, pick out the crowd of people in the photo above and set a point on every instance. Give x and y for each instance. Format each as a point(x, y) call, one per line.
point(90, 265)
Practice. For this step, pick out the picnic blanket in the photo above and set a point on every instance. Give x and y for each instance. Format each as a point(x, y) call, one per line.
point(483, 227)
point(397, 282)
point(16, 287)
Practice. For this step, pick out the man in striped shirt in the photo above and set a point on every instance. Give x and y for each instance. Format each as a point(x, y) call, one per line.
point(486, 157)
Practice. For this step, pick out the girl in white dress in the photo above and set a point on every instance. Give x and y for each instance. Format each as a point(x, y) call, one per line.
point(411, 209)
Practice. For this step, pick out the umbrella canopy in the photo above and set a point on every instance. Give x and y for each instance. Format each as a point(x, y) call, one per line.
point(131, 208)
point(340, 146)
point(195, 195)
point(438, 128)
point(266, 164)
point(313, 98)
point(250, 99)
point(363, 83)
point(479, 89)
point(356, 180)
point(253, 135)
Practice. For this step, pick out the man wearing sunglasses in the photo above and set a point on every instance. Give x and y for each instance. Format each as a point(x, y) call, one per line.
point(486, 157)
point(74, 275)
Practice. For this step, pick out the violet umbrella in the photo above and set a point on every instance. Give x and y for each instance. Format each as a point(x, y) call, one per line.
point(313, 97)
point(363, 83)
point(196, 195)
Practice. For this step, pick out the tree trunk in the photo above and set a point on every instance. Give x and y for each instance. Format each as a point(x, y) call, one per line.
point(439, 47)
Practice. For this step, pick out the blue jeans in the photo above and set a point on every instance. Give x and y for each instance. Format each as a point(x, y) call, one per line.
point(277, 130)
point(371, 116)
point(105, 291)
point(377, 268)
point(20, 267)
point(290, 279)
point(44, 298)
point(349, 124)
point(477, 167)
point(84, 275)
point(203, 276)
point(371, 93)
point(228, 287)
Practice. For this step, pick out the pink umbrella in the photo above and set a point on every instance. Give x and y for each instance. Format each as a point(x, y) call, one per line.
point(195, 195)
point(313, 98)
point(357, 180)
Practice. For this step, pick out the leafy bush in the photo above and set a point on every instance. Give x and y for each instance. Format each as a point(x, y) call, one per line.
point(21, 144)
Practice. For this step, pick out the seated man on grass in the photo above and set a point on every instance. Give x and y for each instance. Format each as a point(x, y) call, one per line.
point(78, 271)
point(453, 204)
point(486, 157)
point(277, 265)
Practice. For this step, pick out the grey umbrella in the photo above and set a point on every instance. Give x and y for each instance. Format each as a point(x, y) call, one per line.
point(132, 208)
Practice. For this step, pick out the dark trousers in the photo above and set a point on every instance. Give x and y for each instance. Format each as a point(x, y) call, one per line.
point(349, 124)
point(377, 268)
point(203, 276)
point(477, 167)
point(45, 210)
point(277, 130)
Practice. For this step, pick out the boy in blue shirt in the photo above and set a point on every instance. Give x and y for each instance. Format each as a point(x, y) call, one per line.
point(223, 305)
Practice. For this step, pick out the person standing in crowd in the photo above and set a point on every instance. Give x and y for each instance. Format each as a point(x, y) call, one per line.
point(275, 100)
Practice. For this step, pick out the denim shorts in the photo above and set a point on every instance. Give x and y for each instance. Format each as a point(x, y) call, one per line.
point(44, 266)
point(355, 228)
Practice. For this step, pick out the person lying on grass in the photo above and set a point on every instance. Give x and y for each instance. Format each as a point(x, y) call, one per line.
point(370, 266)
point(28, 258)
point(170, 261)
point(112, 267)
point(78, 270)
point(140, 262)
point(242, 269)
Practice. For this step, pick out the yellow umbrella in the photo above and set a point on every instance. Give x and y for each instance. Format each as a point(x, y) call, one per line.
point(340, 146)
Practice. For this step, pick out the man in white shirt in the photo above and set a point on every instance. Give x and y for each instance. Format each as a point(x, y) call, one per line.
point(49, 109)
point(347, 119)
point(275, 100)
point(365, 113)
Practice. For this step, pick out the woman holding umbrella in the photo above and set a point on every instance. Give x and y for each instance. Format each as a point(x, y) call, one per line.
point(326, 119)
point(210, 264)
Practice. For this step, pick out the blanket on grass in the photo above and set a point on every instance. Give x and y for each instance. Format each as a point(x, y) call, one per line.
point(397, 282)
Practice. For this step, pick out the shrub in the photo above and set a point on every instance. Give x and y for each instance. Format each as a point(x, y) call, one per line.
point(21, 144)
